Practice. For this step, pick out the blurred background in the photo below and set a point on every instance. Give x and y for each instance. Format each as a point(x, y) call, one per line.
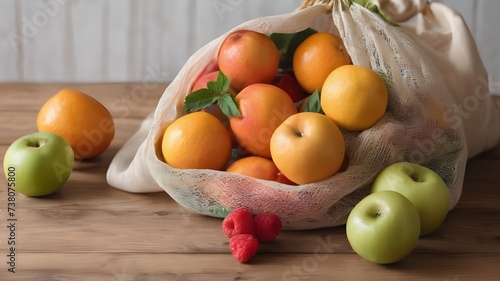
point(127, 40)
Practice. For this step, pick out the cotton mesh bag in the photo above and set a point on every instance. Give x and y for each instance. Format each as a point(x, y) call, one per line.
point(416, 127)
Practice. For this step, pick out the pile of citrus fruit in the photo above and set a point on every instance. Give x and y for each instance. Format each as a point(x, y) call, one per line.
point(282, 102)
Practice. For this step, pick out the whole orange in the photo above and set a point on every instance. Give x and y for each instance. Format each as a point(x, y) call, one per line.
point(263, 108)
point(255, 166)
point(80, 119)
point(308, 147)
point(355, 97)
point(247, 57)
point(196, 141)
point(316, 57)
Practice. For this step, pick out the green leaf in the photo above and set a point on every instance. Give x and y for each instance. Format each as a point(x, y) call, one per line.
point(287, 43)
point(314, 103)
point(359, 2)
point(346, 4)
point(281, 40)
point(217, 209)
point(373, 8)
point(221, 85)
point(296, 40)
point(384, 77)
point(376, 9)
point(199, 99)
point(216, 92)
point(228, 105)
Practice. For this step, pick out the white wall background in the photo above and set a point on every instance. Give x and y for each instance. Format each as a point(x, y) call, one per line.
point(125, 40)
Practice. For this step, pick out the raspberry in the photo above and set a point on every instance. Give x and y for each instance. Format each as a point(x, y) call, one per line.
point(239, 221)
point(243, 246)
point(267, 227)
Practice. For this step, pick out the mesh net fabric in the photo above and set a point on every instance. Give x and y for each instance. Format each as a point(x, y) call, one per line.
point(413, 128)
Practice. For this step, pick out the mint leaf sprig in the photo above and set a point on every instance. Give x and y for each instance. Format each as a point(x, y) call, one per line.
point(314, 103)
point(215, 93)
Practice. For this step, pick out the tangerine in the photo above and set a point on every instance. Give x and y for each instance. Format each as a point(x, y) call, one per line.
point(255, 166)
point(355, 97)
point(197, 140)
point(316, 57)
point(84, 122)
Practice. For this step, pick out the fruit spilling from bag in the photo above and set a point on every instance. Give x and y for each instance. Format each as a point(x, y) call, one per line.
point(279, 111)
point(295, 115)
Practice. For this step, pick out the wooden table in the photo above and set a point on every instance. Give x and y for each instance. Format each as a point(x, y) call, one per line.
point(91, 231)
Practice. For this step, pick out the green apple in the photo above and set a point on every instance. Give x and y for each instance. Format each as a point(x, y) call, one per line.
point(422, 186)
point(383, 227)
point(38, 164)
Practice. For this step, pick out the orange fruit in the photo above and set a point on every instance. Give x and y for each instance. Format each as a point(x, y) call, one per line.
point(255, 166)
point(316, 57)
point(81, 120)
point(196, 141)
point(355, 97)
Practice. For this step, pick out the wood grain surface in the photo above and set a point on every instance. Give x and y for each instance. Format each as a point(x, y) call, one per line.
point(91, 231)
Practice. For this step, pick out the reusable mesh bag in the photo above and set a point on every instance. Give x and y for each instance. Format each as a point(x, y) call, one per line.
point(415, 127)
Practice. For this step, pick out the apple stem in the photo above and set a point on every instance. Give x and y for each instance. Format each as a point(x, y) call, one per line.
point(299, 134)
point(415, 178)
point(36, 143)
